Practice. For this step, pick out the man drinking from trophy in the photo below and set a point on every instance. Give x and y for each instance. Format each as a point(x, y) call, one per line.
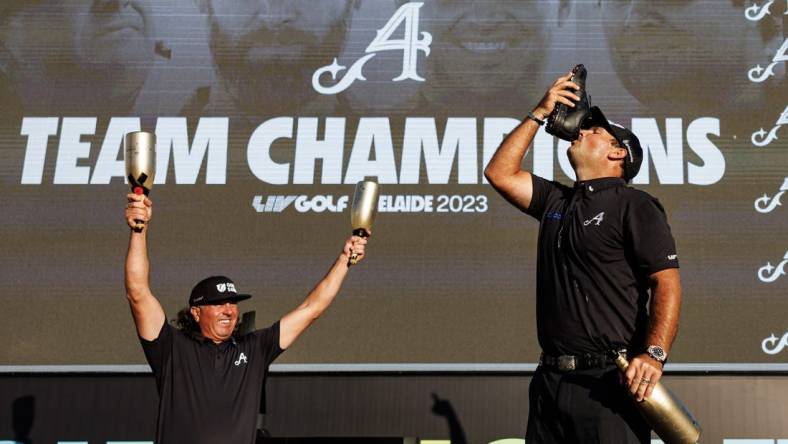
point(209, 377)
point(607, 274)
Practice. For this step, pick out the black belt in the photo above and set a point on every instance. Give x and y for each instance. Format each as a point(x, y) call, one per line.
point(568, 363)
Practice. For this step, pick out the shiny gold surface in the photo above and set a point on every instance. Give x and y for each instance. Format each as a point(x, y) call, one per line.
point(140, 154)
point(666, 414)
point(365, 206)
point(363, 210)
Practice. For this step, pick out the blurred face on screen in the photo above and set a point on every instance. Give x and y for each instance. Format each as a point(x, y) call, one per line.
point(89, 49)
point(485, 48)
point(688, 55)
point(268, 49)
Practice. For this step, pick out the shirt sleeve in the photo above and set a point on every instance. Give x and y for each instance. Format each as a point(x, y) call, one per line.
point(651, 241)
point(268, 340)
point(542, 189)
point(158, 350)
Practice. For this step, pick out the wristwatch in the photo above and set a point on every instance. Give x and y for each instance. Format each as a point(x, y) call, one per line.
point(657, 353)
point(531, 116)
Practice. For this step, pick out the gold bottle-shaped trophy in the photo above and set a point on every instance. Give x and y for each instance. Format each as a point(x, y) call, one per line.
point(665, 413)
point(139, 150)
point(363, 211)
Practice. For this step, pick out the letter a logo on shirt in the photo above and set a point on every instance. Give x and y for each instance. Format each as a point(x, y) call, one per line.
point(598, 218)
point(241, 359)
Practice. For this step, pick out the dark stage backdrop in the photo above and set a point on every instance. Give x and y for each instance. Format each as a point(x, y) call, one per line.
point(436, 408)
point(267, 114)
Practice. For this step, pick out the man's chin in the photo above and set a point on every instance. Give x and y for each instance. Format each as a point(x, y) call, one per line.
point(119, 50)
point(275, 54)
point(223, 336)
point(571, 157)
point(264, 75)
point(273, 90)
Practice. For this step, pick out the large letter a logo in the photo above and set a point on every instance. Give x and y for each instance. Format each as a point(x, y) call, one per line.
point(408, 16)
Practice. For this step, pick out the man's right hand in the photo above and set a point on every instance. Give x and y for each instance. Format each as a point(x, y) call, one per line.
point(139, 208)
point(559, 92)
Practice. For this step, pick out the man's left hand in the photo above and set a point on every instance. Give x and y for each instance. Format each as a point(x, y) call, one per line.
point(642, 375)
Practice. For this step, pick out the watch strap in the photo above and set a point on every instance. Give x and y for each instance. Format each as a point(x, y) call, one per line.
point(531, 116)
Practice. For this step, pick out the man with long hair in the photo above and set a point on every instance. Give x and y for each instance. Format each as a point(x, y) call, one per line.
point(209, 378)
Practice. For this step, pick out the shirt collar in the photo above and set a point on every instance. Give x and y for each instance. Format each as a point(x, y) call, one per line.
point(203, 340)
point(599, 184)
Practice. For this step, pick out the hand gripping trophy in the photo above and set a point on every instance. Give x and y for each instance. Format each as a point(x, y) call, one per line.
point(140, 155)
point(666, 414)
point(363, 211)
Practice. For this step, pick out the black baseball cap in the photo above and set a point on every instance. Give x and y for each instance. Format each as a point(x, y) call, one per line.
point(214, 290)
point(626, 138)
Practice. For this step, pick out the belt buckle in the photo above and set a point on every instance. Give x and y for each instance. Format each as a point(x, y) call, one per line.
point(566, 363)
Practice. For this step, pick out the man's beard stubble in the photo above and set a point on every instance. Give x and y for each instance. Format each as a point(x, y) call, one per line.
point(264, 78)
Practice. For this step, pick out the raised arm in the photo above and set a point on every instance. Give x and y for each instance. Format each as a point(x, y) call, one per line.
point(662, 328)
point(145, 308)
point(504, 170)
point(294, 323)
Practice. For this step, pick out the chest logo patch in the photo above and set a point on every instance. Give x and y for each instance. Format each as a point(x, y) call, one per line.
point(598, 219)
point(241, 360)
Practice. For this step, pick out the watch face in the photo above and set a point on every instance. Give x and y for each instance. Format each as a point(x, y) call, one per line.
point(656, 352)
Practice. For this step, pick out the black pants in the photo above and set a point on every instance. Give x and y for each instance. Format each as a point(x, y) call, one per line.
point(583, 406)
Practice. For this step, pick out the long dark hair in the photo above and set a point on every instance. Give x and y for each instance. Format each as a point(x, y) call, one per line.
point(184, 321)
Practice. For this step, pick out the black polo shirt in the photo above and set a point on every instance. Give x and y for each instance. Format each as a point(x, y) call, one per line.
point(599, 242)
point(209, 393)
